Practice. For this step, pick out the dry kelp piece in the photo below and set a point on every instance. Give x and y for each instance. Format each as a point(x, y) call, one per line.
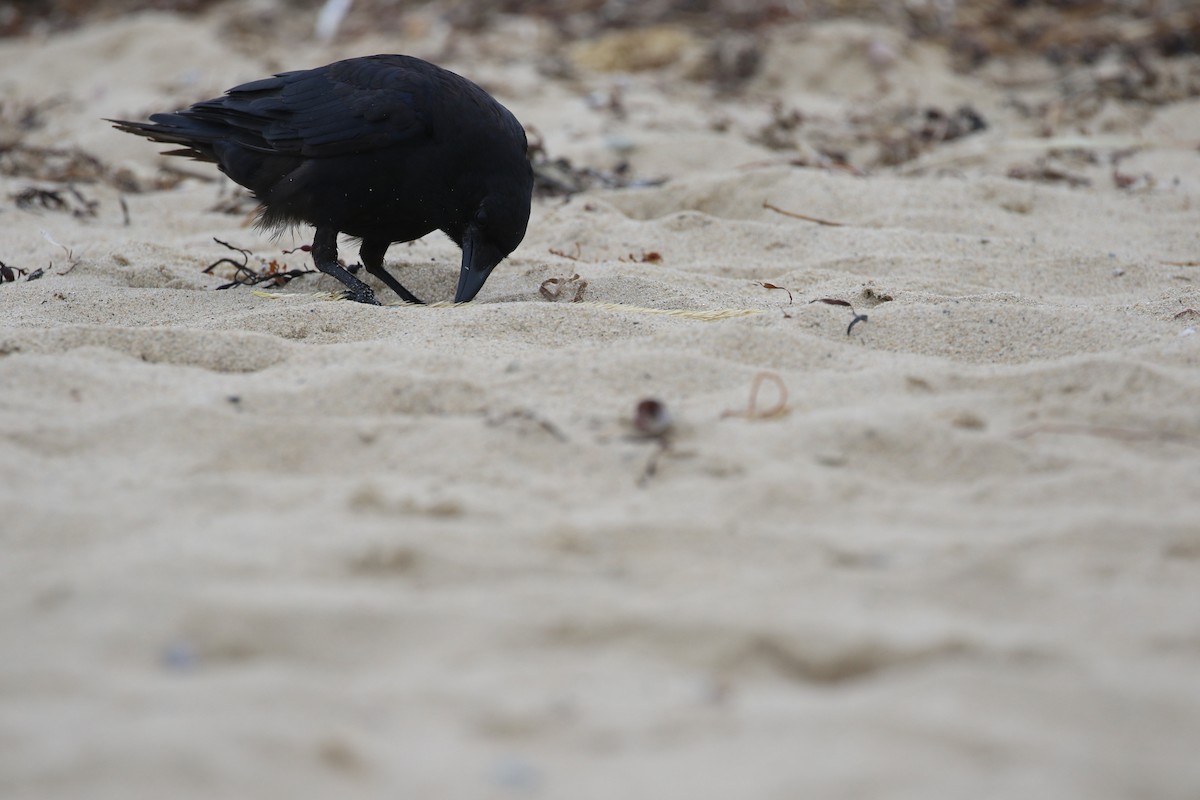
point(10, 274)
point(68, 199)
point(18, 117)
point(53, 164)
point(273, 272)
point(22, 158)
point(1077, 32)
point(781, 131)
point(729, 61)
point(1064, 30)
point(558, 177)
point(766, 285)
point(73, 165)
point(22, 17)
point(1042, 171)
point(874, 135)
point(913, 131)
point(837, 301)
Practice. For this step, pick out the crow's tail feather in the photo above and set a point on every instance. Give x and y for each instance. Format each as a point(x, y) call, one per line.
point(197, 141)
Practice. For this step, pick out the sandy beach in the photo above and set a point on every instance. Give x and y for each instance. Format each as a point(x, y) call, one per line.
point(260, 542)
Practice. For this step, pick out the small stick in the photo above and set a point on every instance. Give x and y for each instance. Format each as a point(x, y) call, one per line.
point(766, 285)
point(832, 301)
point(805, 217)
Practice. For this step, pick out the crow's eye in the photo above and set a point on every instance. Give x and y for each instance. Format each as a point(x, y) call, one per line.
point(481, 218)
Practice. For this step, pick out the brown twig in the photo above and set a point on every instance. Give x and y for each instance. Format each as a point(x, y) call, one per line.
point(766, 285)
point(805, 217)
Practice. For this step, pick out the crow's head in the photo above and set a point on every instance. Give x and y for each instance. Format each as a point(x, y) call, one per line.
point(495, 229)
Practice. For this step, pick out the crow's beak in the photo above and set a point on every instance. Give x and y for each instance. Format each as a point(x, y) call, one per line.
point(479, 258)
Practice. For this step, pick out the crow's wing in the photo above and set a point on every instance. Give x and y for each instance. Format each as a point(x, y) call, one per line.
point(352, 106)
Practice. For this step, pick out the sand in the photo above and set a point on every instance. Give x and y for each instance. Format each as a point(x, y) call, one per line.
point(266, 544)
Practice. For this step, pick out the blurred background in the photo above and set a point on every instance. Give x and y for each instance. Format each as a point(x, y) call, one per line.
point(976, 30)
point(779, 79)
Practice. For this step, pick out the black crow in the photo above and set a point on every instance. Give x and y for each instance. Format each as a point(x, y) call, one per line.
point(384, 148)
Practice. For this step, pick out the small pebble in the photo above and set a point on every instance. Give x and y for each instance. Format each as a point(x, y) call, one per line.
point(651, 418)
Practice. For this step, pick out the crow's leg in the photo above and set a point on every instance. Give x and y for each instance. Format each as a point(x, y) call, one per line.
point(324, 253)
point(372, 251)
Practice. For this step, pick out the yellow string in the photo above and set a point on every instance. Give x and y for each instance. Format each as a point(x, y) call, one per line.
point(706, 315)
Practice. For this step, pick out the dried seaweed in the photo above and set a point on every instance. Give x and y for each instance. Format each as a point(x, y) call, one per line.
point(10, 274)
point(1043, 172)
point(41, 15)
point(69, 200)
point(558, 177)
point(1065, 31)
point(766, 285)
point(911, 131)
point(835, 301)
point(272, 271)
point(780, 132)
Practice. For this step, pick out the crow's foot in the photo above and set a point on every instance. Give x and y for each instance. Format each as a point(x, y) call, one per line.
point(362, 294)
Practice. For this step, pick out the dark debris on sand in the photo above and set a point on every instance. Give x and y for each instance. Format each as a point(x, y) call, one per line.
point(1078, 31)
point(559, 177)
